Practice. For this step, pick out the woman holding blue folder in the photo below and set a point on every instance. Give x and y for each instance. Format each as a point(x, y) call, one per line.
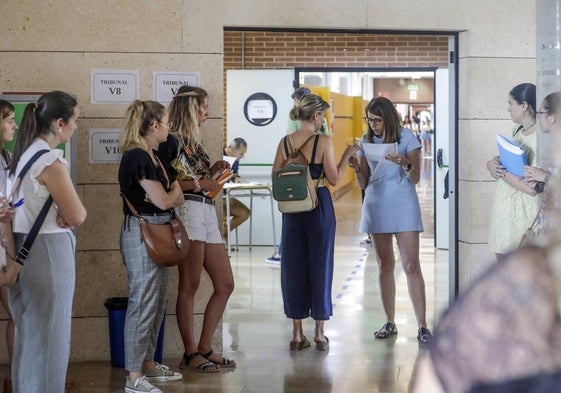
point(514, 203)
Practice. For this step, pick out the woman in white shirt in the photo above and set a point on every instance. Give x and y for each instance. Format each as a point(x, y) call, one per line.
point(41, 299)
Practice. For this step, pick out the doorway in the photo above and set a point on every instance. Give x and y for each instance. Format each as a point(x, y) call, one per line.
point(299, 49)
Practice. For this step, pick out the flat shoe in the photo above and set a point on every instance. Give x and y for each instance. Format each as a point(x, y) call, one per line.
point(299, 345)
point(322, 345)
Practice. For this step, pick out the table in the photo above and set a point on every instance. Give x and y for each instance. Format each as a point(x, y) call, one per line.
point(249, 190)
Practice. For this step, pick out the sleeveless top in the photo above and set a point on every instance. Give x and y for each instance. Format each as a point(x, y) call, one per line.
point(316, 170)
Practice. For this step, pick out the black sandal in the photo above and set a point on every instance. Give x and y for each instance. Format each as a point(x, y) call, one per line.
point(206, 367)
point(227, 363)
point(424, 335)
point(389, 329)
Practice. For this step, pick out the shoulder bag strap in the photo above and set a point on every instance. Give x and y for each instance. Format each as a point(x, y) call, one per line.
point(131, 207)
point(24, 170)
point(23, 252)
point(163, 170)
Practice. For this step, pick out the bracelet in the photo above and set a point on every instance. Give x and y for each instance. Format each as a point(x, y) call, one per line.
point(197, 187)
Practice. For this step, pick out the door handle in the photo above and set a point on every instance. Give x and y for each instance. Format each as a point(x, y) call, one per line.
point(446, 186)
point(439, 160)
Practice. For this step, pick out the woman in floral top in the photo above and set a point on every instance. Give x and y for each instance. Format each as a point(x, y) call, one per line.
point(187, 111)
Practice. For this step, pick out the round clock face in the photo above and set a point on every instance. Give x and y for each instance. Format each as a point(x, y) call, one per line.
point(260, 109)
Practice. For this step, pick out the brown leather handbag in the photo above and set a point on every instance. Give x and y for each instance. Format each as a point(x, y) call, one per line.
point(167, 244)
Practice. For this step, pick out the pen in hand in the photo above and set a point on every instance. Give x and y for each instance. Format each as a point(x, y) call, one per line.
point(18, 203)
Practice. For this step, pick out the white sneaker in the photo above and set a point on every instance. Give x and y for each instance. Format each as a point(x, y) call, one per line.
point(366, 241)
point(162, 373)
point(140, 385)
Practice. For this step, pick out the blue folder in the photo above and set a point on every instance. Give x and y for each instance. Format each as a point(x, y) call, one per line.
point(512, 155)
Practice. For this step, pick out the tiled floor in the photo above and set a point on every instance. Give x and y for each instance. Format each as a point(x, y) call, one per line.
point(256, 333)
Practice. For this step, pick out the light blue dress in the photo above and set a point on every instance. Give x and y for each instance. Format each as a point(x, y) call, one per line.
point(391, 203)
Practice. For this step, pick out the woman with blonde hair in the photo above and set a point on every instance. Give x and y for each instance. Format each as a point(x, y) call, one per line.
point(308, 238)
point(149, 185)
point(187, 111)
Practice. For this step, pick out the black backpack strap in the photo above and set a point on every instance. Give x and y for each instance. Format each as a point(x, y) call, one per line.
point(23, 252)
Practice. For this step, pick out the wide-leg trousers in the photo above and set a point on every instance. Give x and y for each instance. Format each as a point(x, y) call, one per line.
point(41, 305)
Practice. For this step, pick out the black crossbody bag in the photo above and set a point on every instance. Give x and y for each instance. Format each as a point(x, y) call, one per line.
point(25, 249)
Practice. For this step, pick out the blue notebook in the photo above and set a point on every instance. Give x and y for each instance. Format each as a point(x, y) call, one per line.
point(512, 155)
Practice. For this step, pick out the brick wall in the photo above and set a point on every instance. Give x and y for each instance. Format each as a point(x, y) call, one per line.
point(281, 50)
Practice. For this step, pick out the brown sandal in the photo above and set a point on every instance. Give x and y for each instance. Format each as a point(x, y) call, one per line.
point(322, 345)
point(299, 345)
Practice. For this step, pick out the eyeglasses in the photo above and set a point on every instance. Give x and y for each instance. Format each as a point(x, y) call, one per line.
point(169, 124)
point(376, 120)
point(540, 112)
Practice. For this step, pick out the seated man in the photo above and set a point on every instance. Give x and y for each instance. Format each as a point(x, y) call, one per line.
point(238, 211)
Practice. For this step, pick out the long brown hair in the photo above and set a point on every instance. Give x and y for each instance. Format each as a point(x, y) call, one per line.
point(384, 108)
point(38, 119)
point(6, 110)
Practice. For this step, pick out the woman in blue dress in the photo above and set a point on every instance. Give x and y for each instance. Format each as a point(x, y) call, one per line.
point(391, 207)
point(308, 238)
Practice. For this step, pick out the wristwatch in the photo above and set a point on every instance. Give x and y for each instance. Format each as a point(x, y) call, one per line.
point(408, 168)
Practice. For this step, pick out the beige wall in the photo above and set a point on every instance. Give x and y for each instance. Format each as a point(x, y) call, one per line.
point(57, 47)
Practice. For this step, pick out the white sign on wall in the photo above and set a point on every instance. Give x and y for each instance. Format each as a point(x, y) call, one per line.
point(167, 83)
point(104, 145)
point(114, 86)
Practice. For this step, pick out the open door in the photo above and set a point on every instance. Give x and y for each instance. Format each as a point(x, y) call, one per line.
point(258, 103)
point(442, 153)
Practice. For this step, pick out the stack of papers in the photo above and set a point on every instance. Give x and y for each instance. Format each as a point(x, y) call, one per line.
point(512, 155)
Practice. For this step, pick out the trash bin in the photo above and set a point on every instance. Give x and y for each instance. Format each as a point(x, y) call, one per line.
point(117, 309)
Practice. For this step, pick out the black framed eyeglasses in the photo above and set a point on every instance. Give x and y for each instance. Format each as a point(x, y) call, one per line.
point(371, 120)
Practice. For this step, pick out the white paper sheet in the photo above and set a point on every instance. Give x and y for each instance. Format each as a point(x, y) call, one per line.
point(379, 151)
point(375, 154)
point(230, 160)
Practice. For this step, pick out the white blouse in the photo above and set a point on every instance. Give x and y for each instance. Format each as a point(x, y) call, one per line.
point(34, 193)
